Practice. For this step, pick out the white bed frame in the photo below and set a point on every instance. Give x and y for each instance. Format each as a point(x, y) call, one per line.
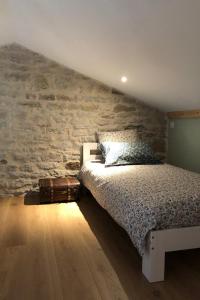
point(159, 241)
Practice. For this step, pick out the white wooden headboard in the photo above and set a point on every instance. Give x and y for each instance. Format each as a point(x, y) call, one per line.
point(90, 152)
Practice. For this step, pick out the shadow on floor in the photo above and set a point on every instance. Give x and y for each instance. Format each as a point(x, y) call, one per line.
point(126, 261)
point(117, 247)
point(32, 198)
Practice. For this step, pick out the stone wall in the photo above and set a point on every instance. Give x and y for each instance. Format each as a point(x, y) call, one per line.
point(48, 111)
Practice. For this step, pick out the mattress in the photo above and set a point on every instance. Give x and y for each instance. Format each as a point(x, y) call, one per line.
point(141, 198)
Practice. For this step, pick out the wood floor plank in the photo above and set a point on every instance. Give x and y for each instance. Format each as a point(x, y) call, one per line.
point(14, 229)
point(70, 251)
point(75, 276)
point(104, 275)
point(31, 276)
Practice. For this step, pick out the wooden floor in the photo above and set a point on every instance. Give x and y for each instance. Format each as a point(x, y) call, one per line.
point(75, 251)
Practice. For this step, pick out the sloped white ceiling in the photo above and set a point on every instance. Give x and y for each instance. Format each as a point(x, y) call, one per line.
point(155, 43)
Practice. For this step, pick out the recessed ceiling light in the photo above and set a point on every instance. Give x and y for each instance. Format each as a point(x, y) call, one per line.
point(124, 79)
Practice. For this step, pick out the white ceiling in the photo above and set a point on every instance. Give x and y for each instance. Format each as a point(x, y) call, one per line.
point(155, 43)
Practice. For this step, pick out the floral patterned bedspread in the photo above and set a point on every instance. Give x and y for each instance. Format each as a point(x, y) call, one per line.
point(141, 198)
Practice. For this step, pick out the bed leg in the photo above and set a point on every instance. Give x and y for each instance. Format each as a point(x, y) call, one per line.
point(153, 262)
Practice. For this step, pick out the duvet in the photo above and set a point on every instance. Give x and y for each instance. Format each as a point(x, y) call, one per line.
point(141, 198)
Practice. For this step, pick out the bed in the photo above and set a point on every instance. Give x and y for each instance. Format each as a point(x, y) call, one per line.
point(157, 205)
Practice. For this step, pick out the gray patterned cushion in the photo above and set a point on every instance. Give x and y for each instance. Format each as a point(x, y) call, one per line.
point(127, 136)
point(119, 153)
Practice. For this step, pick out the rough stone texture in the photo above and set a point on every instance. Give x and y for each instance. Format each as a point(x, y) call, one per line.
point(48, 111)
point(73, 165)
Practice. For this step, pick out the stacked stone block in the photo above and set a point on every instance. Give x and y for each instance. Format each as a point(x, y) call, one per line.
point(48, 111)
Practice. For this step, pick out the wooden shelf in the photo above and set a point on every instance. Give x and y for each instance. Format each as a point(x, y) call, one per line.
point(184, 114)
